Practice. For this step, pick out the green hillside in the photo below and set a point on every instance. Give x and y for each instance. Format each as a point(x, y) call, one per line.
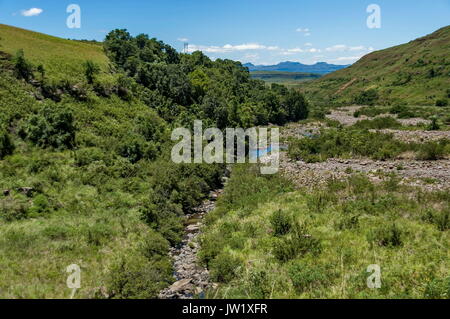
point(85, 171)
point(61, 58)
point(416, 73)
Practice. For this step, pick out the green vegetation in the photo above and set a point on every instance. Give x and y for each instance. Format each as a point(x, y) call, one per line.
point(318, 243)
point(86, 176)
point(378, 123)
point(62, 59)
point(415, 73)
point(85, 168)
point(358, 141)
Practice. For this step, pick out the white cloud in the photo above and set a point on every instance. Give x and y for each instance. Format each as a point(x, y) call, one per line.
point(343, 47)
point(231, 48)
point(308, 44)
point(348, 59)
point(31, 12)
point(183, 39)
point(337, 48)
point(296, 50)
point(306, 31)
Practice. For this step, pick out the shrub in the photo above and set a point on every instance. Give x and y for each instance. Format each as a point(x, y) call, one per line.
point(281, 223)
point(369, 97)
point(132, 148)
point(14, 208)
point(6, 145)
point(387, 236)
point(378, 123)
point(401, 111)
point(22, 68)
point(442, 102)
point(431, 151)
point(305, 277)
point(317, 114)
point(211, 247)
point(347, 222)
point(369, 111)
point(259, 284)
point(135, 277)
point(87, 156)
point(434, 126)
point(345, 142)
point(51, 127)
point(40, 206)
point(298, 243)
point(318, 201)
point(154, 246)
point(91, 69)
point(440, 219)
point(286, 249)
point(224, 267)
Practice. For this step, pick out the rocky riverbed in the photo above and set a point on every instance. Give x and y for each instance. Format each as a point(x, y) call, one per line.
point(429, 175)
point(191, 278)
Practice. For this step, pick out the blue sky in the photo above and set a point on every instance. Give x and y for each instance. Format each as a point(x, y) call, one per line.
point(257, 31)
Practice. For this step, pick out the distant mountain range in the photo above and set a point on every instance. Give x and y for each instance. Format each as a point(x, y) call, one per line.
point(319, 68)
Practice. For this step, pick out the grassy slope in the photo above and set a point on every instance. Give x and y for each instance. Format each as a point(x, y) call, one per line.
point(91, 217)
point(241, 228)
point(400, 73)
point(61, 58)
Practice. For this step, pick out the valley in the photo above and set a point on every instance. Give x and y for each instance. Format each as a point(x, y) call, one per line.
point(87, 176)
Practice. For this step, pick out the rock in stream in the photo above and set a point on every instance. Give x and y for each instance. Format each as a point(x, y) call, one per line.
point(191, 278)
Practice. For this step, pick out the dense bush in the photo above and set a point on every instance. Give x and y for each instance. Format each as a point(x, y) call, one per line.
point(281, 223)
point(345, 142)
point(434, 125)
point(177, 189)
point(378, 123)
point(22, 68)
point(369, 111)
point(135, 277)
point(439, 218)
point(442, 102)
point(91, 69)
point(6, 145)
point(305, 277)
point(387, 236)
point(53, 126)
point(402, 111)
point(369, 97)
point(432, 151)
point(297, 243)
point(224, 267)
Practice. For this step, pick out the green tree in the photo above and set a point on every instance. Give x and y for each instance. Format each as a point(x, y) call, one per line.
point(296, 105)
point(23, 69)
